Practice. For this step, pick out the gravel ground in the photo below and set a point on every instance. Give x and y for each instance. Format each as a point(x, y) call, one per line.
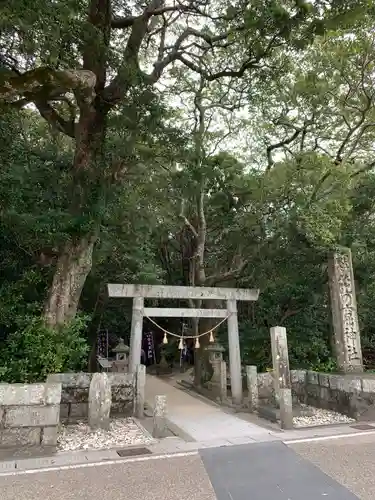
point(320, 417)
point(123, 432)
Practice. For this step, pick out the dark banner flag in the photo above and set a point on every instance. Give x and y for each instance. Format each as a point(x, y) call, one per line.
point(149, 347)
point(101, 344)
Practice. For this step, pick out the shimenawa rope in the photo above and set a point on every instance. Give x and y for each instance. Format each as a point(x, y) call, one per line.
point(183, 337)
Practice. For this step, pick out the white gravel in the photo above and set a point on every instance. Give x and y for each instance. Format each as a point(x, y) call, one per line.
point(320, 417)
point(122, 432)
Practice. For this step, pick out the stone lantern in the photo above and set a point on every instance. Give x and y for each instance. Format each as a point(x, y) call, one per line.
point(215, 357)
point(163, 368)
point(121, 351)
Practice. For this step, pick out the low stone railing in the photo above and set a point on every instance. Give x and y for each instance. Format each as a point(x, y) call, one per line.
point(350, 394)
point(29, 415)
point(75, 394)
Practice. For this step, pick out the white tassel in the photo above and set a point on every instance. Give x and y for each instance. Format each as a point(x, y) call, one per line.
point(181, 344)
point(212, 337)
point(197, 344)
point(165, 339)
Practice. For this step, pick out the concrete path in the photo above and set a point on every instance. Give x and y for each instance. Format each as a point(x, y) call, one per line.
point(201, 421)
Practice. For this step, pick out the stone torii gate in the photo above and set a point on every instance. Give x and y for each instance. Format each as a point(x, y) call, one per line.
point(140, 292)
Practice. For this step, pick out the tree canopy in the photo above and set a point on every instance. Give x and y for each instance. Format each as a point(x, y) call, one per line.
point(192, 142)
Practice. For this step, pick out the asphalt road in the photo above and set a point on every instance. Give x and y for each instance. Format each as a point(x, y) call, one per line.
point(181, 478)
point(268, 471)
point(339, 469)
point(350, 461)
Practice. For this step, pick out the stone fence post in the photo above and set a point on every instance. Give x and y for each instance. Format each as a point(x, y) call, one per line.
point(160, 417)
point(223, 381)
point(140, 384)
point(252, 387)
point(282, 382)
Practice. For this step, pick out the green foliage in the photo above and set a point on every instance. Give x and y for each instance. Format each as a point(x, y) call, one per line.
point(270, 220)
point(20, 298)
point(329, 366)
point(34, 350)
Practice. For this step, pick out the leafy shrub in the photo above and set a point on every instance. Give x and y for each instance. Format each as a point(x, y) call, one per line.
point(33, 352)
point(329, 366)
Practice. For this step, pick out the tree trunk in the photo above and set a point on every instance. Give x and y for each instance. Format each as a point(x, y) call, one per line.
point(88, 173)
point(72, 269)
point(75, 261)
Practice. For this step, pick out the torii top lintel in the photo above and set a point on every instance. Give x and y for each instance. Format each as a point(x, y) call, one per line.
point(181, 292)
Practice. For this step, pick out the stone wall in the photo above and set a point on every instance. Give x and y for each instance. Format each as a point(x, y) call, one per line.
point(29, 415)
point(265, 387)
point(352, 395)
point(75, 393)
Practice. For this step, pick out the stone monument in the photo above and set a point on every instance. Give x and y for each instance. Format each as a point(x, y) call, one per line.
point(100, 401)
point(281, 376)
point(347, 339)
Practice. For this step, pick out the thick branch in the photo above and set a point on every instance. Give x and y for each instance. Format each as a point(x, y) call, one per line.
point(95, 50)
point(54, 119)
point(287, 314)
point(157, 10)
point(199, 130)
point(44, 81)
point(228, 275)
point(317, 187)
point(348, 136)
point(129, 70)
point(126, 22)
point(278, 145)
point(249, 64)
point(202, 227)
point(177, 51)
point(186, 220)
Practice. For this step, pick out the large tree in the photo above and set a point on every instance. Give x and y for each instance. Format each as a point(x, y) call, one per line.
point(77, 62)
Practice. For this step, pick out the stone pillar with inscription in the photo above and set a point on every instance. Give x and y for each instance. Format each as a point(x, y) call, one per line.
point(281, 374)
point(347, 337)
point(100, 401)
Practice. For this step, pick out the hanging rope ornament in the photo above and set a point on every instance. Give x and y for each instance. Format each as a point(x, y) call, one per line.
point(183, 337)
